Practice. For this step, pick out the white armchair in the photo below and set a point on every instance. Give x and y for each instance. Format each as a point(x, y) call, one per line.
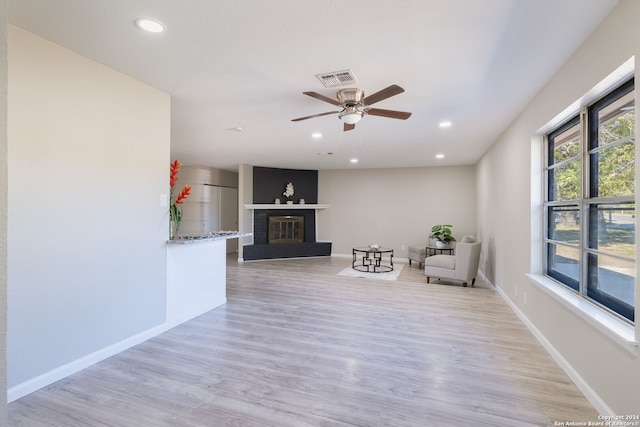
point(462, 266)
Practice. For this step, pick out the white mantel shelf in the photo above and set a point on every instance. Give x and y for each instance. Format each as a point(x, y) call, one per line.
point(285, 206)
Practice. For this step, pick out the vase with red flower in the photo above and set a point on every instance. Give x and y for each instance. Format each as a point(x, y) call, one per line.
point(175, 208)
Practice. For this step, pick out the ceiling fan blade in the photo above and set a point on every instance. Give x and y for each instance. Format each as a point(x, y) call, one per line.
point(347, 126)
point(393, 114)
point(383, 94)
point(315, 115)
point(322, 98)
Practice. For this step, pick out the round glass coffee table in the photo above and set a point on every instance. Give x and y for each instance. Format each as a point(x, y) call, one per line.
point(379, 260)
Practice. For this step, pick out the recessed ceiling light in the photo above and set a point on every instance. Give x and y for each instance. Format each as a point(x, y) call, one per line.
point(316, 135)
point(149, 25)
point(354, 160)
point(440, 156)
point(445, 124)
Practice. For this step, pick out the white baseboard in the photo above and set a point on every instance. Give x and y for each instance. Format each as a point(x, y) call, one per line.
point(48, 378)
point(483, 277)
point(341, 255)
point(43, 380)
point(185, 317)
point(591, 395)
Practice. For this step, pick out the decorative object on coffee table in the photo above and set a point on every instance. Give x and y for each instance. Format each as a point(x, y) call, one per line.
point(441, 233)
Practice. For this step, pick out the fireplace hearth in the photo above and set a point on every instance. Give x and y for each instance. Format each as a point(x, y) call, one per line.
point(285, 233)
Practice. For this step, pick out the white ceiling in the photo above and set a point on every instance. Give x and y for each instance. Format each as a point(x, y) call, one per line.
point(245, 63)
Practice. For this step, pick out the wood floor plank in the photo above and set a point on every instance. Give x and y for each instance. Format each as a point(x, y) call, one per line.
point(297, 345)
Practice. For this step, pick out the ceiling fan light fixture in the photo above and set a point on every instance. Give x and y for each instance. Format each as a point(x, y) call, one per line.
point(355, 105)
point(351, 117)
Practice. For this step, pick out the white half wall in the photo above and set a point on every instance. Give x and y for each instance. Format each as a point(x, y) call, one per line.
point(88, 154)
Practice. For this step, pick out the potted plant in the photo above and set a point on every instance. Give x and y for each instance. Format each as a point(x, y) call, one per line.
point(441, 233)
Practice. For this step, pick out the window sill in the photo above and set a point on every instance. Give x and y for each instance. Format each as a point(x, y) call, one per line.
point(618, 330)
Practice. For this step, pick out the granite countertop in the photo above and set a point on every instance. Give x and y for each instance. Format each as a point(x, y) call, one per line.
point(206, 237)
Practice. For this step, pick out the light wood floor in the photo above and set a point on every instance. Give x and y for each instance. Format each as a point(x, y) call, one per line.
point(297, 345)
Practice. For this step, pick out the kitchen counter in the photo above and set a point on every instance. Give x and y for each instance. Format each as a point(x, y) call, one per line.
point(206, 237)
point(196, 275)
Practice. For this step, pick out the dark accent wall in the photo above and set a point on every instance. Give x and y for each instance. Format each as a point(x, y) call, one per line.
point(269, 184)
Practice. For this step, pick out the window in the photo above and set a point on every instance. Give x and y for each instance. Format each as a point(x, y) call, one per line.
point(590, 202)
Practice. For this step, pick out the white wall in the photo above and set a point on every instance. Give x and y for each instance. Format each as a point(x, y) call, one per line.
point(196, 174)
point(394, 207)
point(245, 196)
point(607, 371)
point(88, 152)
point(3, 212)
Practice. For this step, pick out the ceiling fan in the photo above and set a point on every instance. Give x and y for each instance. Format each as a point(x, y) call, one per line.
point(355, 105)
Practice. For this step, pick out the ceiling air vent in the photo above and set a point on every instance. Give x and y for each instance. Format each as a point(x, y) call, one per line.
point(337, 78)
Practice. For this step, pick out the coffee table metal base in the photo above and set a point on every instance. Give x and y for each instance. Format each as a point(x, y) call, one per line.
point(371, 260)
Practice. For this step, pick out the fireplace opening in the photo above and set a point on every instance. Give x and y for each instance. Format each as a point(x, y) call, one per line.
point(286, 229)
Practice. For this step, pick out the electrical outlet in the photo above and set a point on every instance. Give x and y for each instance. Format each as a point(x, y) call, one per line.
point(163, 200)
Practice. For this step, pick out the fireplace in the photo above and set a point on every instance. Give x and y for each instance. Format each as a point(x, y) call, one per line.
point(298, 224)
point(286, 229)
point(285, 232)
